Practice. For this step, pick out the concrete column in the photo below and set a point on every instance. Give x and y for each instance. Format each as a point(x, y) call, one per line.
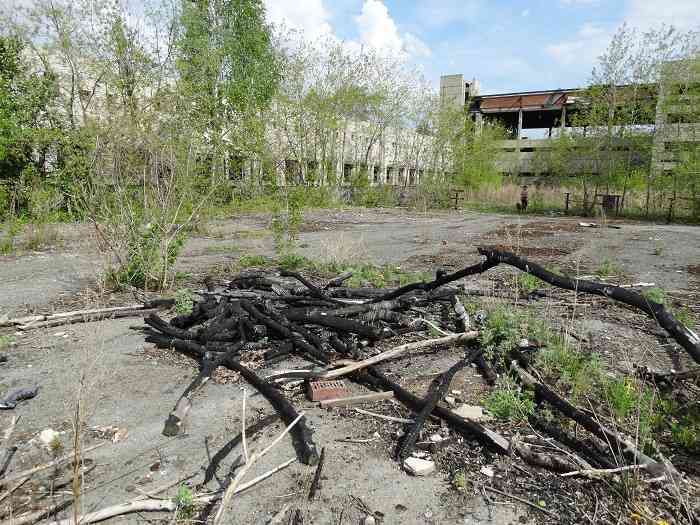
point(479, 120)
point(563, 118)
point(520, 123)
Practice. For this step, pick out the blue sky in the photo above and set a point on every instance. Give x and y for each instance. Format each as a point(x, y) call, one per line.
point(507, 45)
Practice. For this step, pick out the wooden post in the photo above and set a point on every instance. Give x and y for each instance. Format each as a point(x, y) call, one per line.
point(520, 123)
point(566, 203)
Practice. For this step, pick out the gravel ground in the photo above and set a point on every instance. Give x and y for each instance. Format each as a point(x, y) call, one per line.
point(123, 382)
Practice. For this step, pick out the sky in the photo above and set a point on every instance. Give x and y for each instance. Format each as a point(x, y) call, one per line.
point(508, 45)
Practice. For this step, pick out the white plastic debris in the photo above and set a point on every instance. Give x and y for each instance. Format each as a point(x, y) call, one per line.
point(487, 471)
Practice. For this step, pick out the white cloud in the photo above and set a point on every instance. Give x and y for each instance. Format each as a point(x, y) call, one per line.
point(378, 30)
point(438, 13)
point(525, 13)
point(309, 16)
point(683, 14)
point(590, 41)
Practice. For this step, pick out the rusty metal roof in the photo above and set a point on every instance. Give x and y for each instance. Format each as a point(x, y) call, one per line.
point(551, 100)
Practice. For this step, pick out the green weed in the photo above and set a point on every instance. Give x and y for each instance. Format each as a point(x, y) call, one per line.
point(574, 371)
point(608, 268)
point(528, 283)
point(292, 261)
point(10, 231)
point(6, 340)
point(685, 316)
point(459, 481)
point(634, 406)
point(247, 261)
point(184, 300)
point(185, 503)
point(655, 295)
point(508, 401)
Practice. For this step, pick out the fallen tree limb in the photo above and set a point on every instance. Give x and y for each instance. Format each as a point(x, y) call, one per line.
point(301, 434)
point(615, 439)
point(176, 418)
point(468, 428)
point(685, 337)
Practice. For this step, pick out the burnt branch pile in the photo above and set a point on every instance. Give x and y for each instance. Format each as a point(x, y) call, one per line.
point(347, 332)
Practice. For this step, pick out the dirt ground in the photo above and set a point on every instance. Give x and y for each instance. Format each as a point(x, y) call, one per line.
point(126, 383)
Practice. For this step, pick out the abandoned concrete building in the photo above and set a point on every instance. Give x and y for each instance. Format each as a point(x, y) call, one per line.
point(533, 118)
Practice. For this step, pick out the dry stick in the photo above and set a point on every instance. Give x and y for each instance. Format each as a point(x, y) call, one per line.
point(45, 466)
point(594, 472)
point(317, 475)
point(399, 350)
point(383, 356)
point(278, 518)
point(230, 490)
point(14, 487)
point(245, 442)
point(7, 449)
point(521, 500)
point(382, 416)
point(37, 515)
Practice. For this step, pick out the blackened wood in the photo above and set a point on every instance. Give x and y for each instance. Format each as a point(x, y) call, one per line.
point(467, 428)
point(159, 324)
point(337, 323)
point(589, 453)
point(201, 311)
point(317, 476)
point(188, 348)
point(617, 440)
point(301, 434)
point(285, 332)
point(436, 392)
point(315, 290)
point(337, 281)
point(209, 364)
point(485, 370)
point(478, 268)
point(680, 333)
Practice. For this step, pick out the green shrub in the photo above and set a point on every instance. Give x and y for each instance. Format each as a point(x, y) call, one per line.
point(149, 259)
point(508, 401)
point(10, 231)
